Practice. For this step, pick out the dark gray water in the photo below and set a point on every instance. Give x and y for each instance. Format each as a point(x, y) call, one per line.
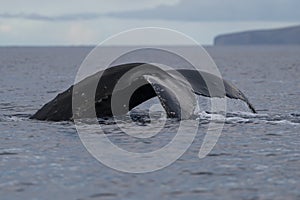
point(256, 157)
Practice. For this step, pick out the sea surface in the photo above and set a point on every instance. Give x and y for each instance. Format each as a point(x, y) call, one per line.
point(256, 157)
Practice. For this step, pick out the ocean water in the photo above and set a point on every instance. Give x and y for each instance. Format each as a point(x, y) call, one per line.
point(256, 157)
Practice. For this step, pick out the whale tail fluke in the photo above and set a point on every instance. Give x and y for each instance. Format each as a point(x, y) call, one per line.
point(174, 89)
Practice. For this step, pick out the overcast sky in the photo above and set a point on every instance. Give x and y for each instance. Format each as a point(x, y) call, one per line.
point(78, 22)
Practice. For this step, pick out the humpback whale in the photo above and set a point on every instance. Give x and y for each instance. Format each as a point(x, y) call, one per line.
point(151, 82)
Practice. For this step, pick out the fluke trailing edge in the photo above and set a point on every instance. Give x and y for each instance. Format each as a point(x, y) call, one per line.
point(174, 88)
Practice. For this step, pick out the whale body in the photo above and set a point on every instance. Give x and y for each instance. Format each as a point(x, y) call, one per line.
point(152, 82)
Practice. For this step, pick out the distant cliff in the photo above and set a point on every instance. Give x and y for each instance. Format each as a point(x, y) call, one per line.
point(282, 36)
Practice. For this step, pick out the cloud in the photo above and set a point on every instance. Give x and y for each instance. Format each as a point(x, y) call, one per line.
point(66, 17)
point(91, 32)
point(184, 10)
point(80, 34)
point(57, 23)
point(57, 10)
point(218, 10)
point(5, 28)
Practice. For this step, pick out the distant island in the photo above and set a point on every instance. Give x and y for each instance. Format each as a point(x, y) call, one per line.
point(281, 36)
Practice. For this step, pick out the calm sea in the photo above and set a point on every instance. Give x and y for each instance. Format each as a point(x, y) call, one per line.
point(256, 157)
